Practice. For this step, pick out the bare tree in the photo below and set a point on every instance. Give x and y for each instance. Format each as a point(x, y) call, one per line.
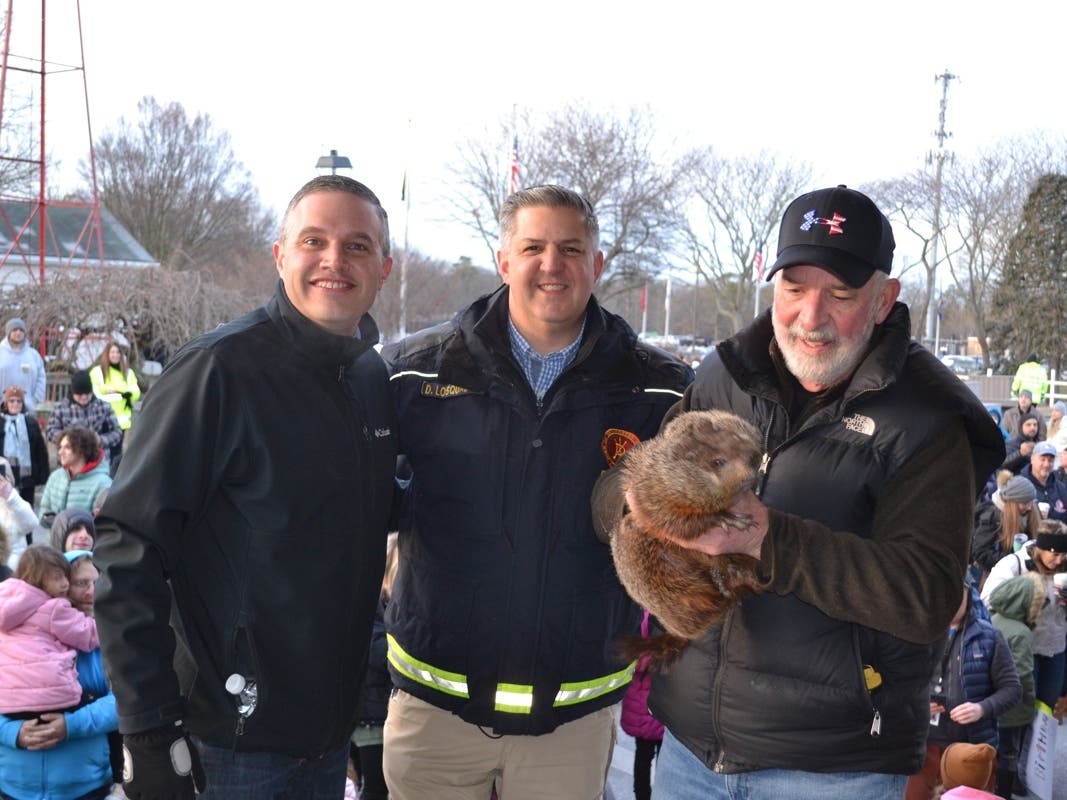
point(18, 140)
point(982, 202)
point(616, 162)
point(156, 310)
point(436, 291)
point(19, 166)
point(176, 185)
point(737, 205)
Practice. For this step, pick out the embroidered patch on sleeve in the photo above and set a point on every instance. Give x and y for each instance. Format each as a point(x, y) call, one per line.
point(615, 444)
point(442, 390)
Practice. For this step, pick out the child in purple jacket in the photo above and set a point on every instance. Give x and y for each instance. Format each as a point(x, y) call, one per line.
point(640, 724)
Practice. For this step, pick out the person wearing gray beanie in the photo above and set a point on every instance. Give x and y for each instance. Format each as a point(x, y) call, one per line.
point(1018, 490)
point(1010, 511)
point(21, 365)
point(73, 529)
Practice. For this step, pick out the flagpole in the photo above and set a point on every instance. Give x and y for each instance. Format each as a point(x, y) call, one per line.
point(667, 307)
point(405, 196)
point(644, 308)
point(758, 263)
point(937, 329)
point(514, 176)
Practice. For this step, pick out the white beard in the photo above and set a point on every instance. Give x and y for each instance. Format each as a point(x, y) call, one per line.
point(827, 368)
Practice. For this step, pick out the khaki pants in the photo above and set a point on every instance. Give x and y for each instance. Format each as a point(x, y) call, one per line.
point(431, 754)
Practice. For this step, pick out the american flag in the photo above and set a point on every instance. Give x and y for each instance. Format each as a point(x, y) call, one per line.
point(759, 262)
point(513, 181)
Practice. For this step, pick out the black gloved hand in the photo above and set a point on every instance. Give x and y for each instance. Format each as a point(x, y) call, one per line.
point(127, 396)
point(161, 764)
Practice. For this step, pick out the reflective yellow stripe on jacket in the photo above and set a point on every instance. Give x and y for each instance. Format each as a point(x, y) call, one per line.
point(511, 698)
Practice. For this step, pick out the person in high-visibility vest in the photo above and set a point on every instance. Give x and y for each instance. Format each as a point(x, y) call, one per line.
point(115, 383)
point(1031, 375)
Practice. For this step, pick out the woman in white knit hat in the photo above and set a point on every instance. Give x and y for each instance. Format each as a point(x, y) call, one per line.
point(1057, 426)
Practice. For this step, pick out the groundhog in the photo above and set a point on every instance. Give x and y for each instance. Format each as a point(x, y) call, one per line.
point(684, 480)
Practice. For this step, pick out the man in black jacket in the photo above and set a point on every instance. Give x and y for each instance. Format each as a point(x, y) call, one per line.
point(243, 541)
point(818, 688)
point(504, 617)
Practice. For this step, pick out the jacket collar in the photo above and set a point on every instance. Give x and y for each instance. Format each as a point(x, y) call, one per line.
point(747, 356)
point(483, 338)
point(312, 340)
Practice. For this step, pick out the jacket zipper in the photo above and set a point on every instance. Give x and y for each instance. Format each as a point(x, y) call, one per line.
point(716, 695)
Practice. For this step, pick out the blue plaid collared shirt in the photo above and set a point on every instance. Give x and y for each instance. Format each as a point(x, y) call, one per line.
point(541, 371)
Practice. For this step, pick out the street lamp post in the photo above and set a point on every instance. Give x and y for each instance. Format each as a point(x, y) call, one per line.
point(333, 162)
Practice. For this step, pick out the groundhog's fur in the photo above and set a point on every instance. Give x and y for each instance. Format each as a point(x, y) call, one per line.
point(684, 481)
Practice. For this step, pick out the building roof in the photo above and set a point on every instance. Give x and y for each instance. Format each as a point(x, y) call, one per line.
point(71, 242)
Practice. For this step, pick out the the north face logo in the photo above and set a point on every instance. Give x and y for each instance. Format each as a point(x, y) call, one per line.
point(860, 424)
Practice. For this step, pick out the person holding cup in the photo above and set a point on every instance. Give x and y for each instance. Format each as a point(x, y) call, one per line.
point(1046, 556)
point(1049, 489)
point(1059, 580)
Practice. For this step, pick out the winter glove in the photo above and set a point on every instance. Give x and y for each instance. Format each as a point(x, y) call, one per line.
point(127, 397)
point(1060, 711)
point(161, 764)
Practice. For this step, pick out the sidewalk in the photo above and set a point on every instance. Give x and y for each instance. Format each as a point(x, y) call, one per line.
point(621, 775)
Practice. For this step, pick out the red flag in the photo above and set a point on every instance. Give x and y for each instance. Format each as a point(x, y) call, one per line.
point(759, 264)
point(513, 182)
point(644, 297)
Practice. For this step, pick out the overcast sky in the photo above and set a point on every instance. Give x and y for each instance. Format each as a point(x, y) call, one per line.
point(848, 87)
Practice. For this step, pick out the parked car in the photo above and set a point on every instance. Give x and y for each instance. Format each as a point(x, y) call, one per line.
point(964, 366)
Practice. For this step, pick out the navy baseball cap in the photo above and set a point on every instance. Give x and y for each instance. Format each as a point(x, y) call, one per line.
point(840, 230)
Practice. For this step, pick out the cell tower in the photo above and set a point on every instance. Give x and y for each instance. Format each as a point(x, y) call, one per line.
point(938, 158)
point(37, 231)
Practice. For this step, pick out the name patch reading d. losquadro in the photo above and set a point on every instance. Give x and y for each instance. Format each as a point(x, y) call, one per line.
point(615, 444)
point(442, 390)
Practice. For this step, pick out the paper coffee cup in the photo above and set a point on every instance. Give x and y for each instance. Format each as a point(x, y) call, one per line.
point(1060, 580)
point(1043, 508)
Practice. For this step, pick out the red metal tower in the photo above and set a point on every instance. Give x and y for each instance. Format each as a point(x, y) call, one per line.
point(28, 235)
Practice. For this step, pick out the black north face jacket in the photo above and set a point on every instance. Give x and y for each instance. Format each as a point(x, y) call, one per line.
point(871, 502)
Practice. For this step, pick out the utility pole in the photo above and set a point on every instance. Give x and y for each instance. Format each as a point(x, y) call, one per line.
point(939, 157)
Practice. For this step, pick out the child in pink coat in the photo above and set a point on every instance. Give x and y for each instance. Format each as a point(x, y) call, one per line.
point(39, 630)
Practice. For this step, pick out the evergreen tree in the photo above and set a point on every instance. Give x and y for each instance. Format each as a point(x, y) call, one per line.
point(1029, 303)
